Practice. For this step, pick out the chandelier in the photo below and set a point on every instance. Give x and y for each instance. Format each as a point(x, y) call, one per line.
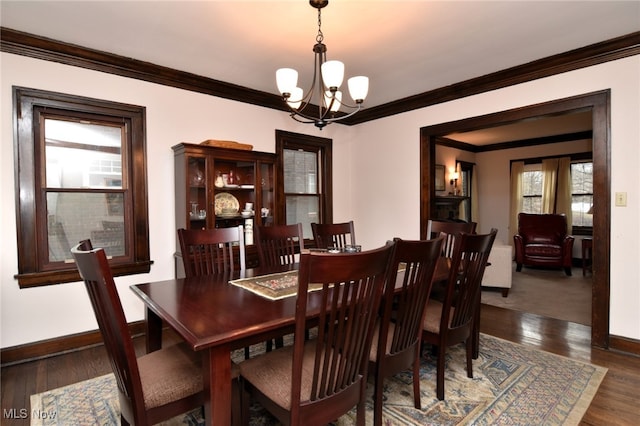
point(325, 86)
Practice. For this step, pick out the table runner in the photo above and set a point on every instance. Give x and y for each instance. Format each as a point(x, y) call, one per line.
point(274, 286)
point(279, 285)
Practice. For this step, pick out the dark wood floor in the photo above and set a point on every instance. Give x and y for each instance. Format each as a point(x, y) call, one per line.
point(616, 403)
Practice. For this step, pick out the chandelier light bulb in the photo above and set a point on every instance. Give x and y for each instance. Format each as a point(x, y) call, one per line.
point(332, 73)
point(295, 100)
point(287, 80)
point(337, 100)
point(358, 88)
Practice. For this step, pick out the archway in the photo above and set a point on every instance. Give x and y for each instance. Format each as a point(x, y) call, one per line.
point(598, 103)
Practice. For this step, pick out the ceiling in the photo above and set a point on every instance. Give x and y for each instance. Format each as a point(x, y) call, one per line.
point(404, 47)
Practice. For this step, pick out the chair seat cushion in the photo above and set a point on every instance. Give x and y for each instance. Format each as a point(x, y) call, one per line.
point(171, 373)
point(543, 250)
point(270, 373)
point(373, 354)
point(433, 316)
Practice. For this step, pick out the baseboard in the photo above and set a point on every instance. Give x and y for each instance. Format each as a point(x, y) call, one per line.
point(74, 342)
point(59, 345)
point(624, 344)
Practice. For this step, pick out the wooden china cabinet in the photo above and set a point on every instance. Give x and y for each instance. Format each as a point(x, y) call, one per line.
point(213, 186)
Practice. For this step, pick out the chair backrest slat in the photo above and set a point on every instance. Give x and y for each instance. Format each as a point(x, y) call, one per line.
point(212, 251)
point(333, 234)
point(279, 244)
point(449, 230)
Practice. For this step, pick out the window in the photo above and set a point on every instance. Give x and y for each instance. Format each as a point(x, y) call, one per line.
point(581, 192)
point(532, 188)
point(305, 167)
point(76, 179)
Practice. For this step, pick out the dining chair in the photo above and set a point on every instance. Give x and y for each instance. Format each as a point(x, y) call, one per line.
point(451, 321)
point(316, 381)
point(396, 342)
point(449, 230)
point(278, 244)
point(212, 251)
point(333, 234)
point(156, 386)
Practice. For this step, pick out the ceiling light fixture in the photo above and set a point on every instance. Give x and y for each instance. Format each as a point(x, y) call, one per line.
point(327, 78)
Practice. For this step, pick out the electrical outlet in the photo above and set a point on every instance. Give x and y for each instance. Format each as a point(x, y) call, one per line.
point(621, 199)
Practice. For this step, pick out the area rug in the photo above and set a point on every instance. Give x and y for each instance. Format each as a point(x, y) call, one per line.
point(513, 385)
point(547, 292)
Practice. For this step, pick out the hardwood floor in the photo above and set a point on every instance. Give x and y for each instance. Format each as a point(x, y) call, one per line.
point(616, 402)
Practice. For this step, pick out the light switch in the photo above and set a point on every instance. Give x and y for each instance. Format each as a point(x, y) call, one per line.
point(621, 199)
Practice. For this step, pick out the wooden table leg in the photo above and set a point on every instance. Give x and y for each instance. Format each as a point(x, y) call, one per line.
point(153, 330)
point(216, 369)
point(475, 332)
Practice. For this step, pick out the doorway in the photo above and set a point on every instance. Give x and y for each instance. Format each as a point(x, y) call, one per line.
point(598, 104)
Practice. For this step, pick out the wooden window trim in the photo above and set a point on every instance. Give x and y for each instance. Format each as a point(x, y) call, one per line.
point(290, 140)
point(28, 202)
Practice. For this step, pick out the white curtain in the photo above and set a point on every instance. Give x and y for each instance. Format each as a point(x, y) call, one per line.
point(517, 170)
point(549, 185)
point(563, 195)
point(556, 187)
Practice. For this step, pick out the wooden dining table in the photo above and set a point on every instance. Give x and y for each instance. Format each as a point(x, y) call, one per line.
point(215, 317)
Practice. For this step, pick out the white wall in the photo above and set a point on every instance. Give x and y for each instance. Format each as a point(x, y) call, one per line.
point(376, 176)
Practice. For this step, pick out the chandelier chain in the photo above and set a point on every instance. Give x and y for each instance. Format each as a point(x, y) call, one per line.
point(320, 36)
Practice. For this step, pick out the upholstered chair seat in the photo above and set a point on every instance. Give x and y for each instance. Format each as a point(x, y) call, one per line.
point(433, 315)
point(260, 372)
point(172, 374)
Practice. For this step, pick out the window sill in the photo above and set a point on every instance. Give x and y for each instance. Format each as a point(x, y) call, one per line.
point(39, 279)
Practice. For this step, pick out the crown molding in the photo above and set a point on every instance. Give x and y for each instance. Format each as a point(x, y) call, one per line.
point(33, 46)
point(609, 50)
point(25, 44)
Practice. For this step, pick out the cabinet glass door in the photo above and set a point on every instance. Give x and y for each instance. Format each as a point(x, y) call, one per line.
point(197, 199)
point(267, 195)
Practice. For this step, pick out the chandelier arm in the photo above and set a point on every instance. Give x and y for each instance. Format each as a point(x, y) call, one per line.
point(342, 117)
point(307, 120)
point(299, 113)
point(320, 58)
point(310, 119)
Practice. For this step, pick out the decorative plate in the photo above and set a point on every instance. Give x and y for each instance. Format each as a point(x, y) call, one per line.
point(226, 203)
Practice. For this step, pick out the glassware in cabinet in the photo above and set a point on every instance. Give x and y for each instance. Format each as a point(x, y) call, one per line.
point(197, 192)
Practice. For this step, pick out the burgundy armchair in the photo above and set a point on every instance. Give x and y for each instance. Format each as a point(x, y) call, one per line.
point(542, 240)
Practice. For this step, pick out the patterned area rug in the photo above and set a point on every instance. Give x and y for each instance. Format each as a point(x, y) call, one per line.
point(512, 385)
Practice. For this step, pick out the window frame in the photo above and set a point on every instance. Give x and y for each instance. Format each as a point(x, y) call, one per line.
point(31, 228)
point(323, 147)
point(582, 230)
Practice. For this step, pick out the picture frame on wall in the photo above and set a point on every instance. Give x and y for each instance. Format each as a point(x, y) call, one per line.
point(439, 182)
